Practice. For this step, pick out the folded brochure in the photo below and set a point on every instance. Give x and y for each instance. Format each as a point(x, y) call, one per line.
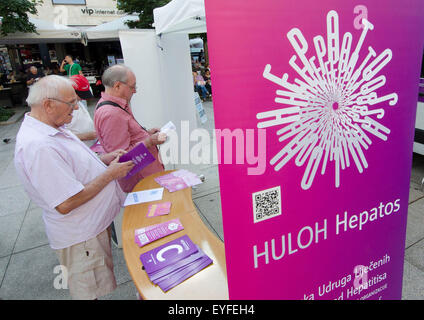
point(149, 234)
point(158, 209)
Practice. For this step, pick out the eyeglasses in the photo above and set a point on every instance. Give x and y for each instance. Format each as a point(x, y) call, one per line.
point(70, 104)
point(134, 87)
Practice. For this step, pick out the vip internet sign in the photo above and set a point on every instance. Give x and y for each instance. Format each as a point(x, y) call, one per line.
point(332, 87)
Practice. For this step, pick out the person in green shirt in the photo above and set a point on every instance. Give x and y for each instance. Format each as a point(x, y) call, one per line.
point(71, 68)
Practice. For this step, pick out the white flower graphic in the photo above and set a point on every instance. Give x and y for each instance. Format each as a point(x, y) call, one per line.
point(331, 113)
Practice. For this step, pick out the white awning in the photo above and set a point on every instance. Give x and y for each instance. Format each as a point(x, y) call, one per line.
point(47, 32)
point(187, 16)
point(109, 30)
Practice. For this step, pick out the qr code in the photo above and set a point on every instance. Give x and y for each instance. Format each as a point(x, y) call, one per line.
point(143, 238)
point(266, 204)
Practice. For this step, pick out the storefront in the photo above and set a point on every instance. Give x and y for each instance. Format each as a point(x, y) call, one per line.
point(94, 58)
point(60, 25)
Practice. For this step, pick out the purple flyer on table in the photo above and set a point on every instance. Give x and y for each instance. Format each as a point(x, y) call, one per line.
point(165, 272)
point(149, 234)
point(178, 180)
point(140, 156)
point(184, 266)
point(185, 273)
point(167, 254)
point(171, 182)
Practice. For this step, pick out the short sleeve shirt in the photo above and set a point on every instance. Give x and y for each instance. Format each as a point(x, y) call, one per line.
point(73, 69)
point(54, 165)
point(37, 76)
point(118, 129)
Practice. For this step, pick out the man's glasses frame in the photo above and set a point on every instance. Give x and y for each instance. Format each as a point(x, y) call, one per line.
point(70, 104)
point(132, 87)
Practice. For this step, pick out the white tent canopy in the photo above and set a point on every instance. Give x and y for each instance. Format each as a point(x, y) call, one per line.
point(109, 30)
point(47, 32)
point(161, 61)
point(186, 16)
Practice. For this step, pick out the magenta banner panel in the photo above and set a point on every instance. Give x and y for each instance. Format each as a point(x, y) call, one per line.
point(315, 107)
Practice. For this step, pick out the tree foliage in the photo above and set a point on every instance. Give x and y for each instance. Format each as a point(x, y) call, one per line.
point(144, 9)
point(14, 16)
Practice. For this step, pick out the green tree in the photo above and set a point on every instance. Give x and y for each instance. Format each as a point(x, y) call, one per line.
point(144, 9)
point(14, 16)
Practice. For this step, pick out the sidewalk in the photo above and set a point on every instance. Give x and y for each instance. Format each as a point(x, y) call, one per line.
point(27, 262)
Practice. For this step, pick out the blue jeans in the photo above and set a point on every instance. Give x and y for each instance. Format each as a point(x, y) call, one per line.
point(203, 91)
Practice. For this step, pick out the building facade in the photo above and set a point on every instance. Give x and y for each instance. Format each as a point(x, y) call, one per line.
point(78, 12)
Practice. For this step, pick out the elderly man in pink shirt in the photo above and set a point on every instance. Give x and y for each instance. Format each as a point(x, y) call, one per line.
point(116, 126)
point(77, 190)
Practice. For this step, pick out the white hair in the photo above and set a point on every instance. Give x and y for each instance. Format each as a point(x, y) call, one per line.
point(117, 72)
point(47, 87)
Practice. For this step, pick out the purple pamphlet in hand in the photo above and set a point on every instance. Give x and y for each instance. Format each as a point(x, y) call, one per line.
point(140, 156)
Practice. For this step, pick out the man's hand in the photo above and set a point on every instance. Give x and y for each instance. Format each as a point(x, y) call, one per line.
point(61, 68)
point(108, 157)
point(153, 131)
point(115, 170)
point(155, 139)
point(119, 170)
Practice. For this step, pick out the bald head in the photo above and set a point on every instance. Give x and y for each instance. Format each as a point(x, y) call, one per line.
point(120, 81)
point(117, 72)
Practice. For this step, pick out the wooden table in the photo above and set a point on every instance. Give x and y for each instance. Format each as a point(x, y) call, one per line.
point(210, 283)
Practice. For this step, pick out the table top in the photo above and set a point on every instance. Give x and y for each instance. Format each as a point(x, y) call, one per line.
point(210, 283)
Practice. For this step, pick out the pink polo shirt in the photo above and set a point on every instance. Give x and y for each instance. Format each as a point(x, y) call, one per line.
point(118, 129)
point(54, 165)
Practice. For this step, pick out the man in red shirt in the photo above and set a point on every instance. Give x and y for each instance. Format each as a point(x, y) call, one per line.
point(116, 126)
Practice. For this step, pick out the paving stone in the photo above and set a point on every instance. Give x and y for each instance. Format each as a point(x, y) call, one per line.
point(5, 158)
point(413, 283)
point(414, 228)
point(120, 266)
point(32, 205)
point(211, 183)
point(417, 208)
point(210, 208)
point(13, 200)
point(415, 255)
point(33, 232)
point(124, 291)
point(10, 226)
point(30, 275)
point(415, 193)
point(9, 177)
point(3, 265)
point(417, 171)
